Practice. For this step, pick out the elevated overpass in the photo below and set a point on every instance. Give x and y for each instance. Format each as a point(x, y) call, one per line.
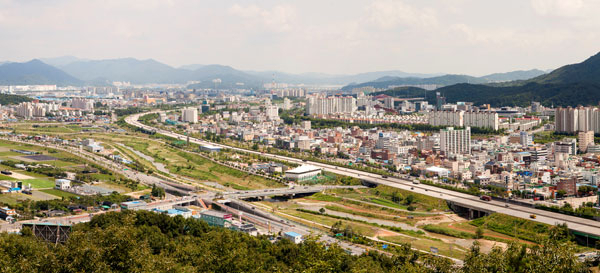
point(580, 225)
point(296, 190)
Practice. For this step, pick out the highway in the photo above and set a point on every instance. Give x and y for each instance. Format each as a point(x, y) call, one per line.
point(574, 223)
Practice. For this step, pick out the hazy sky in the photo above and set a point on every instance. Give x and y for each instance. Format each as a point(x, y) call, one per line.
point(347, 36)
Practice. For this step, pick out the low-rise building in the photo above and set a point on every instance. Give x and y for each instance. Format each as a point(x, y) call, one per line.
point(62, 184)
point(303, 173)
point(293, 236)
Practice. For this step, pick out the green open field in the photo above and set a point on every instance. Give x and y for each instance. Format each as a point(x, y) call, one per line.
point(46, 128)
point(386, 196)
point(39, 183)
point(184, 163)
point(445, 249)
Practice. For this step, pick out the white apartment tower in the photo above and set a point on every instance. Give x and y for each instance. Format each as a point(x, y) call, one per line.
point(455, 141)
point(330, 105)
point(189, 115)
point(272, 112)
point(585, 139)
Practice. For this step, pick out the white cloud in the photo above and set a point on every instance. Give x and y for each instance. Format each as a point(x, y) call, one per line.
point(561, 8)
point(278, 18)
point(390, 14)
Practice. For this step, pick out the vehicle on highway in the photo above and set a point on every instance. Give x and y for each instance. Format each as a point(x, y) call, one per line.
point(485, 198)
point(303, 160)
point(6, 172)
point(532, 216)
point(412, 188)
point(415, 182)
point(384, 176)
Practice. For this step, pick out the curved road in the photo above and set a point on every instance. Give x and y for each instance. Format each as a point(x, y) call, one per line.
point(574, 223)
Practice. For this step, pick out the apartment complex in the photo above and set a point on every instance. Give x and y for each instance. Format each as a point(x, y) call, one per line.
point(481, 119)
point(330, 105)
point(82, 104)
point(580, 119)
point(455, 141)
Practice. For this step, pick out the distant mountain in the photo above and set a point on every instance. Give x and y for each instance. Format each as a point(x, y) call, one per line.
point(514, 75)
point(150, 71)
point(445, 80)
point(587, 71)
point(570, 85)
point(34, 72)
point(127, 70)
point(322, 78)
point(61, 61)
point(387, 82)
point(192, 66)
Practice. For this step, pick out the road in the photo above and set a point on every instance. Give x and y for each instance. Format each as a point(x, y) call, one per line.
point(574, 223)
point(114, 166)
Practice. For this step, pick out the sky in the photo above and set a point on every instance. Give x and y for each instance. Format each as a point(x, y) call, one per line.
point(473, 37)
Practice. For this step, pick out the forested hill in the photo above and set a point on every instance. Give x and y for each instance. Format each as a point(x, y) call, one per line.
point(6, 99)
point(150, 242)
point(570, 85)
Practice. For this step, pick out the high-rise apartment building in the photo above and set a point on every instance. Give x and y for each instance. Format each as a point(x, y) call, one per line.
point(455, 141)
point(580, 119)
point(189, 114)
point(585, 139)
point(481, 119)
point(272, 112)
point(82, 104)
point(330, 105)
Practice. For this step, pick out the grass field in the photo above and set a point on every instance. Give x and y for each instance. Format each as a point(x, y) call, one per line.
point(445, 249)
point(393, 197)
point(38, 183)
point(189, 165)
point(5, 177)
point(59, 193)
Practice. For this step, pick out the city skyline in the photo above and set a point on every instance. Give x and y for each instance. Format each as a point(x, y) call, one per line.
point(297, 37)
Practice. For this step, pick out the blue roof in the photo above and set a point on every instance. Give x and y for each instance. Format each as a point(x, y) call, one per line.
point(292, 234)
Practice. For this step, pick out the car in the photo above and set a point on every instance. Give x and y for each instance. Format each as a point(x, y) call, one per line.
point(506, 205)
point(412, 188)
point(532, 216)
point(384, 176)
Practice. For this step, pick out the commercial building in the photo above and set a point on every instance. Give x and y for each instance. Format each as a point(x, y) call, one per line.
point(455, 141)
point(293, 236)
point(92, 146)
point(134, 205)
point(189, 114)
point(62, 184)
point(569, 185)
point(303, 173)
point(216, 218)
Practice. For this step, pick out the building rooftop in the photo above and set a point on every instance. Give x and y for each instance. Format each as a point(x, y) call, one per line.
point(304, 169)
point(292, 234)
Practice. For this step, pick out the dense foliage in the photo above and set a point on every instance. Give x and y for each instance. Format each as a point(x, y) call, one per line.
point(6, 99)
point(567, 94)
point(149, 242)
